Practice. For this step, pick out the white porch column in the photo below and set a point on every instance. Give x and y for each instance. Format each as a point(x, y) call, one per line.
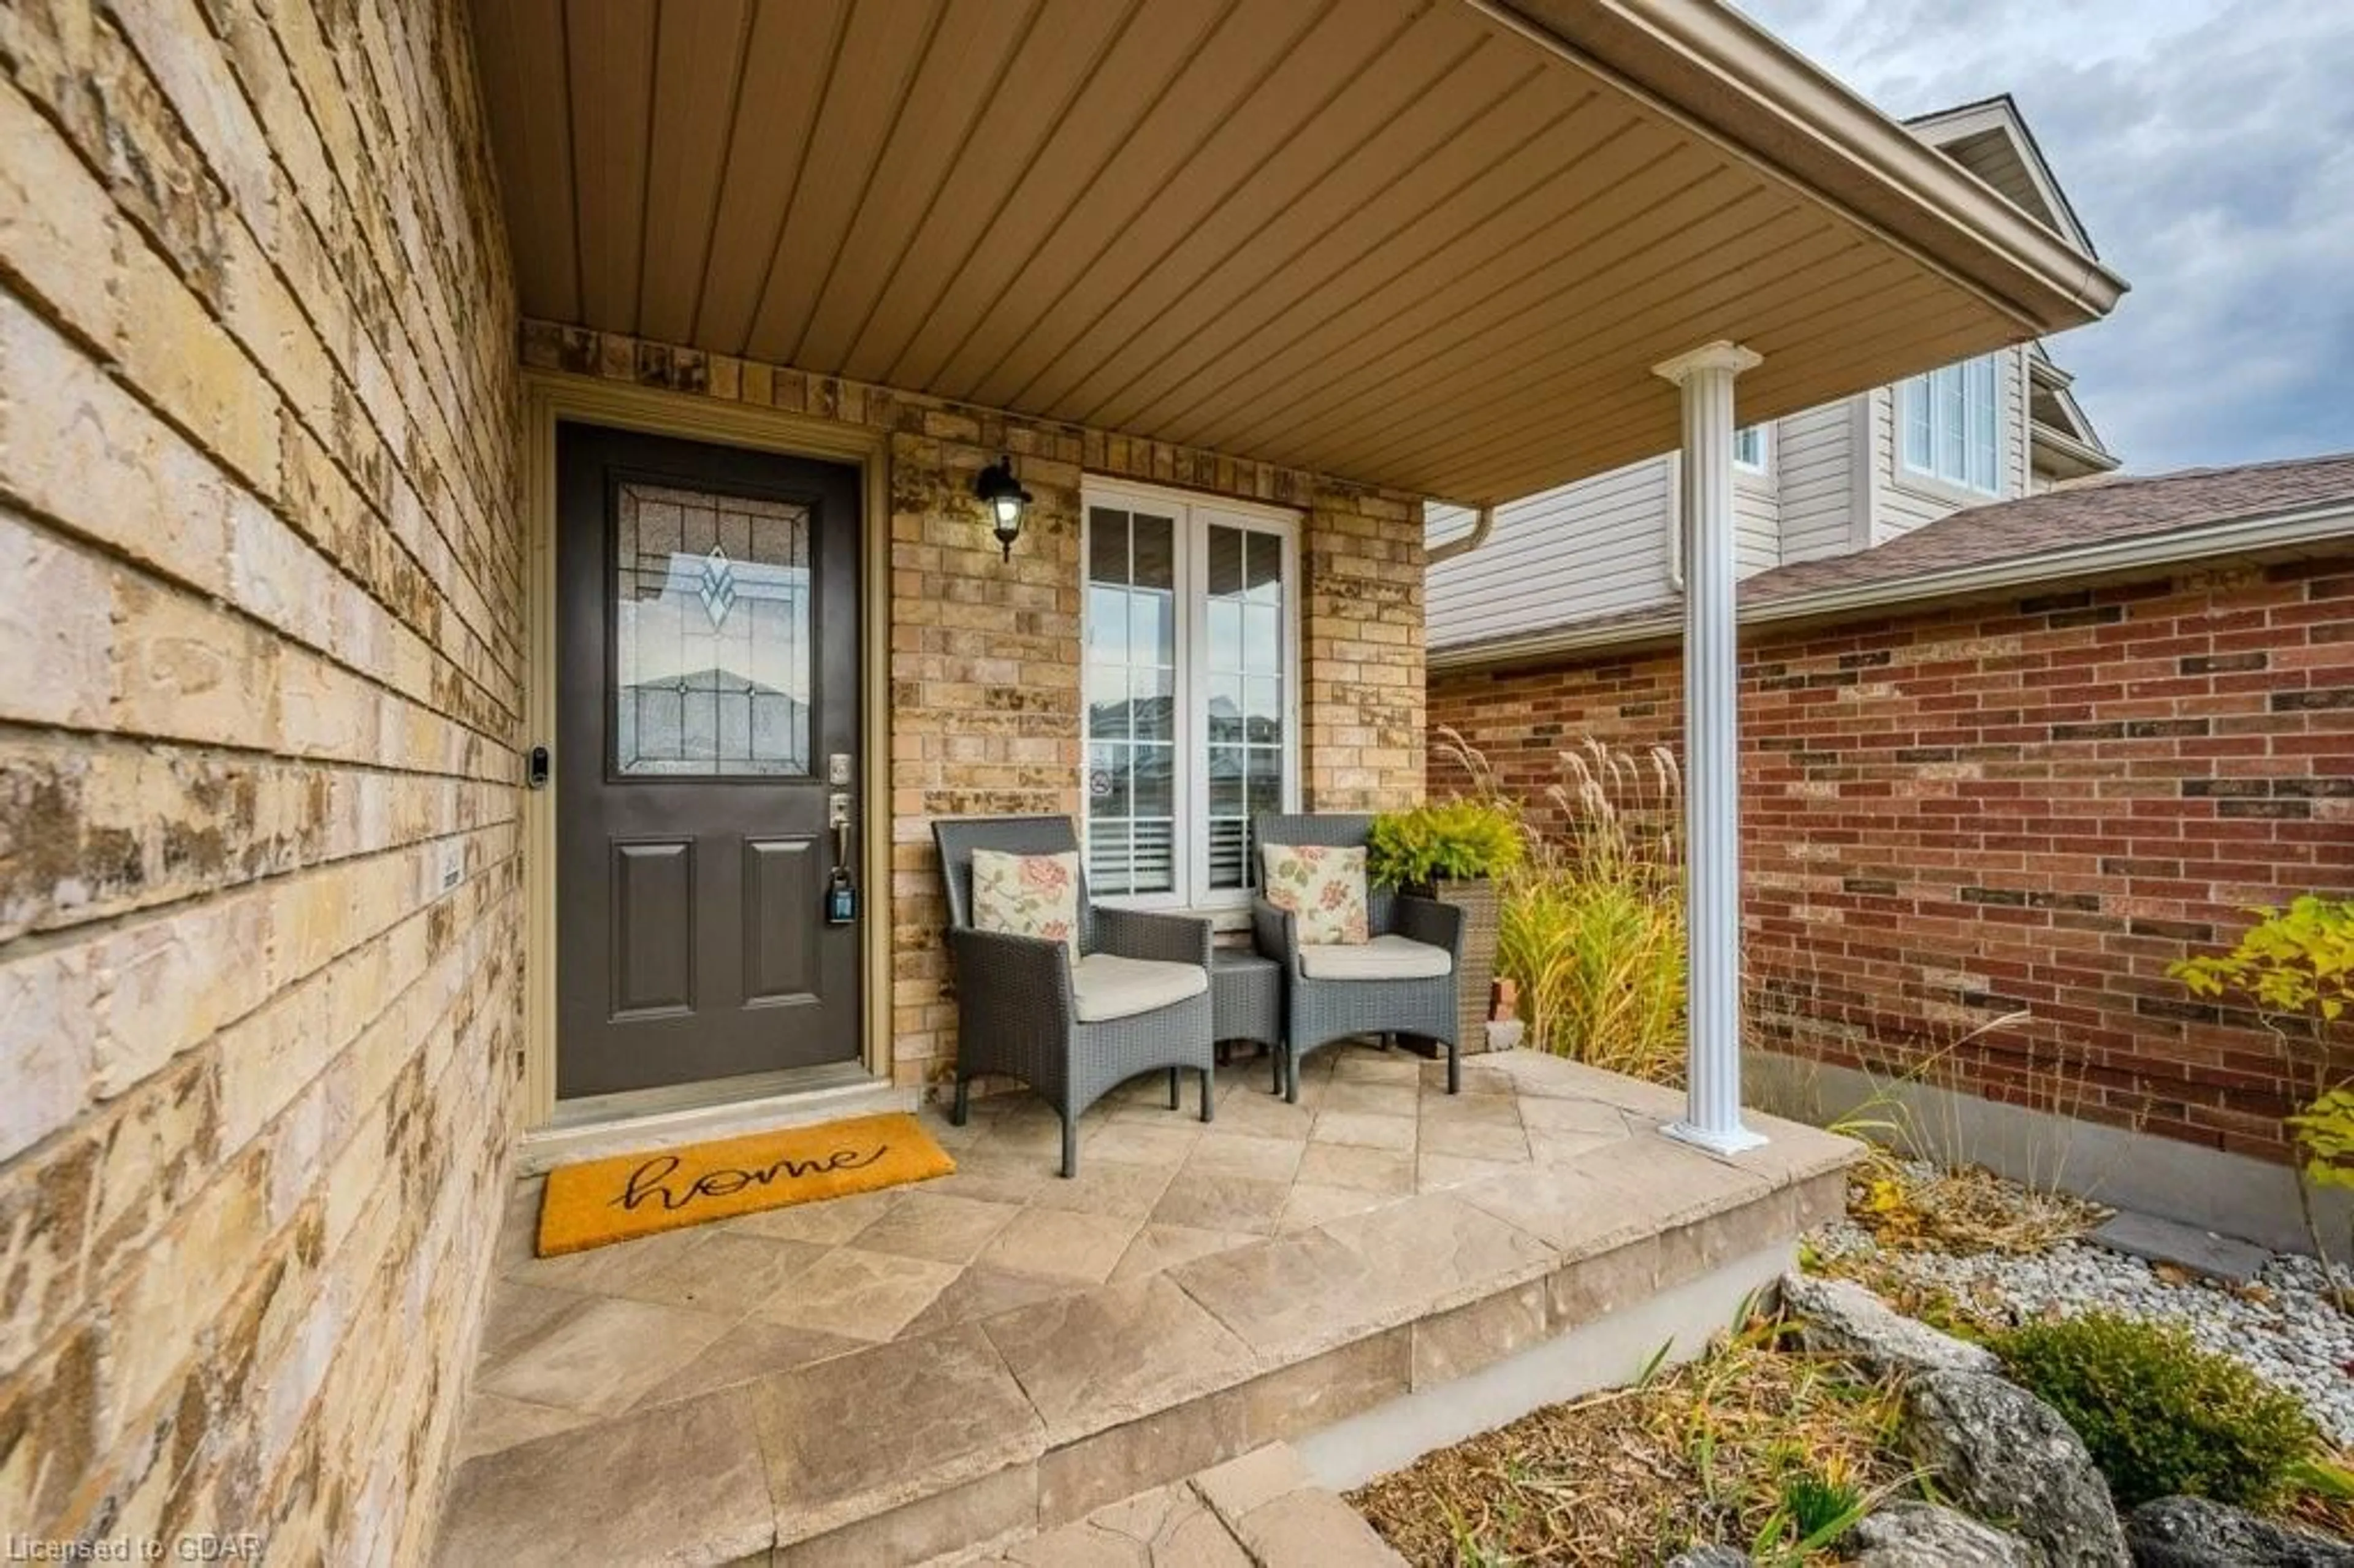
point(1711, 751)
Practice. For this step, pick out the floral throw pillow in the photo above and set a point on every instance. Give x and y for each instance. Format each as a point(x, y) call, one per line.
point(1322, 886)
point(1027, 894)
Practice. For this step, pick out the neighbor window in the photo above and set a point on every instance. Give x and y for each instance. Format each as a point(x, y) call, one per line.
point(1953, 430)
point(1749, 448)
point(1190, 692)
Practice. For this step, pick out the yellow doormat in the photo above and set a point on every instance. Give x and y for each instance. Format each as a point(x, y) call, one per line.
point(632, 1195)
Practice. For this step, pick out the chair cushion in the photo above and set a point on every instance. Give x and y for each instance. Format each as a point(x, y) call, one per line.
point(1027, 894)
point(1384, 957)
point(1105, 986)
point(1322, 885)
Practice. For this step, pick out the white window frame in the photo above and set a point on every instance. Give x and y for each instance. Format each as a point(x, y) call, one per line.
point(1909, 391)
point(1193, 513)
point(1765, 434)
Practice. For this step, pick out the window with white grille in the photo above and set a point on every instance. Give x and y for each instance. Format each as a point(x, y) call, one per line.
point(1189, 632)
point(1749, 448)
point(1953, 424)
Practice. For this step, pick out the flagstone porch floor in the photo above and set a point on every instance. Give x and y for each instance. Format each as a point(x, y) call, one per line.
point(960, 1364)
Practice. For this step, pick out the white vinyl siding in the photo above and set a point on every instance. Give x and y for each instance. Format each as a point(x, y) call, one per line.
point(1189, 632)
point(1815, 469)
point(1601, 547)
point(1756, 515)
point(1586, 549)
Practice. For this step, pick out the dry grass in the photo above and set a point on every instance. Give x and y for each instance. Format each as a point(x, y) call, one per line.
point(1703, 1452)
point(1907, 1203)
point(1920, 1187)
point(1976, 1315)
point(2329, 1508)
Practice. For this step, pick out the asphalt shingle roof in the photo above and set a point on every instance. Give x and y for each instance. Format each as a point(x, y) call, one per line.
point(2071, 519)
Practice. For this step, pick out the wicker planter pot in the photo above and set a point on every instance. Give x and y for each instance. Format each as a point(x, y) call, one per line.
point(1481, 906)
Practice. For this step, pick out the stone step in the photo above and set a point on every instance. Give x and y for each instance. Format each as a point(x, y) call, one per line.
point(2227, 1258)
point(1020, 1422)
point(1262, 1510)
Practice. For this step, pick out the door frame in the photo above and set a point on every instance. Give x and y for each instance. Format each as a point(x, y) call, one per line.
point(551, 397)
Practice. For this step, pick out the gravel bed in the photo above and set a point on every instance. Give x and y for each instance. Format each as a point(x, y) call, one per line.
point(2283, 1330)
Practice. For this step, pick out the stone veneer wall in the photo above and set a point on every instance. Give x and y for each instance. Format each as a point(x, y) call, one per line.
point(985, 652)
point(1956, 812)
point(259, 620)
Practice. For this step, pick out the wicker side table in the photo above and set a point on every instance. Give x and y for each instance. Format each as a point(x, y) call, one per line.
point(1247, 1002)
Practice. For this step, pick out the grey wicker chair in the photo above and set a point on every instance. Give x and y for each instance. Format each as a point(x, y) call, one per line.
point(1318, 1012)
point(1017, 1011)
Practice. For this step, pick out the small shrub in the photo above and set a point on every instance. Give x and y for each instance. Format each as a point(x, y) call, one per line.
point(1453, 840)
point(2161, 1415)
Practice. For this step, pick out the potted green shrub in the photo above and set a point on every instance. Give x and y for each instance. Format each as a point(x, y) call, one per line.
point(1453, 851)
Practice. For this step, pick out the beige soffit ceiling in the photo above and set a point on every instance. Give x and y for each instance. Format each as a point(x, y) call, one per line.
point(1435, 245)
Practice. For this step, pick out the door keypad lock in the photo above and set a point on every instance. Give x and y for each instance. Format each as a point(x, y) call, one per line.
point(841, 892)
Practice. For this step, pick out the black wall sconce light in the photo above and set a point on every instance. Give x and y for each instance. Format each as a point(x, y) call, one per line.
point(1006, 500)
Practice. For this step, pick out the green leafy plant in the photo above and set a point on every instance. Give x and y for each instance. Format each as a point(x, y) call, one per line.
point(2298, 960)
point(2295, 968)
point(1821, 1506)
point(2324, 1132)
point(1459, 841)
point(2159, 1415)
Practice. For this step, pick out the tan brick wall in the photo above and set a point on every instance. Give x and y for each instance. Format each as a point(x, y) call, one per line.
point(259, 617)
point(985, 652)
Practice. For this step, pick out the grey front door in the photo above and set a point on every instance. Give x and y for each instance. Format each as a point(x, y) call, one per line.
point(708, 696)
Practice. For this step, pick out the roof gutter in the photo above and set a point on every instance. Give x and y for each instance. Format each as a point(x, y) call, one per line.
point(1731, 81)
point(1483, 522)
point(2059, 449)
point(2325, 524)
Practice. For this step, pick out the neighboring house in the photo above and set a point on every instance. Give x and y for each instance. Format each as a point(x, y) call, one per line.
point(1998, 774)
point(2015, 733)
point(340, 342)
point(1843, 477)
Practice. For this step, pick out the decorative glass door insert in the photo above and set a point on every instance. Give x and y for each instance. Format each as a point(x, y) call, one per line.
point(711, 635)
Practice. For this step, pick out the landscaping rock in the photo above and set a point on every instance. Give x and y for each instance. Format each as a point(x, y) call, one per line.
point(1709, 1555)
point(2191, 1532)
point(2286, 1326)
point(2006, 1456)
point(1923, 1535)
point(1842, 1317)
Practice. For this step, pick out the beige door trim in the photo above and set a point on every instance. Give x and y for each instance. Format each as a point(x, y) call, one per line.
point(550, 398)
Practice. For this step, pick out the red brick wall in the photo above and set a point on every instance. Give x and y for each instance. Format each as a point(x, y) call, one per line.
point(2035, 803)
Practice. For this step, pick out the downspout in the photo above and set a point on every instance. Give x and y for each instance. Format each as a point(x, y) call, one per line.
point(1675, 516)
point(1483, 521)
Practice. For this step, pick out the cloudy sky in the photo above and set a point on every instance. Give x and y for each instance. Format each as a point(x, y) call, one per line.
point(2208, 147)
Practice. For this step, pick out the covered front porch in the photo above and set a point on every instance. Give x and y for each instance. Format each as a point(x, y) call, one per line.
point(956, 1365)
point(296, 302)
point(1203, 278)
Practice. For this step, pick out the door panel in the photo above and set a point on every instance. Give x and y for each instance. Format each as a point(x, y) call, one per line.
point(708, 645)
point(781, 879)
point(653, 929)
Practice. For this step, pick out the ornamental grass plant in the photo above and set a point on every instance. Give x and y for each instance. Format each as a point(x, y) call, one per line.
point(1592, 923)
